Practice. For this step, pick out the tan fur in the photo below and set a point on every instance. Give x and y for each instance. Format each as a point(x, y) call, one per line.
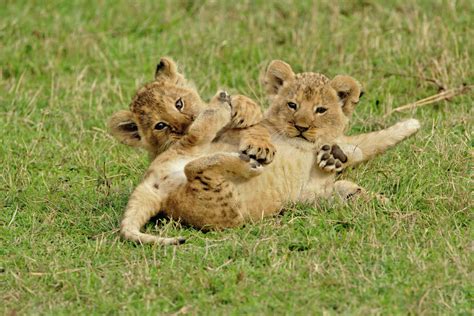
point(156, 103)
point(307, 90)
point(203, 184)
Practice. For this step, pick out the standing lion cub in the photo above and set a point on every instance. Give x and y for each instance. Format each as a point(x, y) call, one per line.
point(207, 184)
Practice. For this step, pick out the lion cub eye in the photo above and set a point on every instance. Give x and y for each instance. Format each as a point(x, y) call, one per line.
point(179, 104)
point(159, 126)
point(292, 105)
point(320, 110)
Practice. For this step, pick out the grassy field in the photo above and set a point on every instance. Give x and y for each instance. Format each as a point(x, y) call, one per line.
point(67, 66)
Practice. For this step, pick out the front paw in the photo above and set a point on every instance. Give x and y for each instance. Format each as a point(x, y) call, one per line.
point(259, 150)
point(331, 158)
point(245, 112)
point(222, 98)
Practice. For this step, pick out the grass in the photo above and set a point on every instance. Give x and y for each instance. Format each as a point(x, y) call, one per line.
point(66, 66)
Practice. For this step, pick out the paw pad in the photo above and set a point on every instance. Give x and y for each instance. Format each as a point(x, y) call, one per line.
point(255, 164)
point(337, 152)
point(224, 97)
point(331, 158)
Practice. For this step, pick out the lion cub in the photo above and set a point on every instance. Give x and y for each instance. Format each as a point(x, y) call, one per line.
point(202, 184)
point(162, 112)
point(299, 110)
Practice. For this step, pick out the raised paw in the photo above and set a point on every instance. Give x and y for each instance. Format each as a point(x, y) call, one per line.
point(259, 150)
point(224, 97)
point(245, 112)
point(331, 158)
point(221, 98)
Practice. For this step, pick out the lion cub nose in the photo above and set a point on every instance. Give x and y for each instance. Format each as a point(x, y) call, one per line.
point(301, 129)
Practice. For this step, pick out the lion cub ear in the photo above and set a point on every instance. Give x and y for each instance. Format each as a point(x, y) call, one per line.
point(167, 70)
point(123, 128)
point(278, 72)
point(349, 91)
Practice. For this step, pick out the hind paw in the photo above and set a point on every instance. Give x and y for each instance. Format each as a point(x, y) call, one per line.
point(331, 158)
point(253, 166)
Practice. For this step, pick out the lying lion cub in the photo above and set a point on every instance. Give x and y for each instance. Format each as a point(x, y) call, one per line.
point(162, 111)
point(189, 183)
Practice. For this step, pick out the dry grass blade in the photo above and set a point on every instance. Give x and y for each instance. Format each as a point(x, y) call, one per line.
point(436, 82)
point(445, 95)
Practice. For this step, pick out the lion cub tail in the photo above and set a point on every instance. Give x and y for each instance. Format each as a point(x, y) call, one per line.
point(143, 205)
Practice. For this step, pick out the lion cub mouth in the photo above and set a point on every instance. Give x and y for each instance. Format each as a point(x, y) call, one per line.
point(301, 136)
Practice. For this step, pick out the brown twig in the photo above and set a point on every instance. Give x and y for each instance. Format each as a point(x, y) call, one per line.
point(445, 95)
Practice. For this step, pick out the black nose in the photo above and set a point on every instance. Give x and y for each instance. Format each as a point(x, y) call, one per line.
point(301, 129)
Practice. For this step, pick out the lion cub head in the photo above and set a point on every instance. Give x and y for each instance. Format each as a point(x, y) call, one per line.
point(160, 112)
point(309, 105)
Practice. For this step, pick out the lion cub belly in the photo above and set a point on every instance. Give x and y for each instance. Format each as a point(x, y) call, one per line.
point(285, 180)
point(204, 207)
point(176, 168)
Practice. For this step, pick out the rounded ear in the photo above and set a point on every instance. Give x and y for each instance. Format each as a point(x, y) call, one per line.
point(278, 72)
point(122, 127)
point(167, 70)
point(349, 91)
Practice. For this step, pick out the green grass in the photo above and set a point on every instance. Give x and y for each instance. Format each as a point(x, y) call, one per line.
point(67, 66)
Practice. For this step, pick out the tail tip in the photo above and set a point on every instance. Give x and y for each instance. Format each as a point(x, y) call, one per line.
point(170, 241)
point(413, 124)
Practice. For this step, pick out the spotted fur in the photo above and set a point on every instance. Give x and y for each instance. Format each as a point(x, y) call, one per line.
point(157, 102)
point(204, 184)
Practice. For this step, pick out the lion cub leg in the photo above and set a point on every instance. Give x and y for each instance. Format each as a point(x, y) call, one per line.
point(212, 201)
point(254, 139)
point(353, 150)
point(228, 165)
point(206, 126)
point(363, 147)
point(144, 203)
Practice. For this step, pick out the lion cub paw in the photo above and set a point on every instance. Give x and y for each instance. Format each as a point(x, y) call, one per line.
point(259, 150)
point(331, 158)
point(221, 98)
point(245, 112)
point(254, 167)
